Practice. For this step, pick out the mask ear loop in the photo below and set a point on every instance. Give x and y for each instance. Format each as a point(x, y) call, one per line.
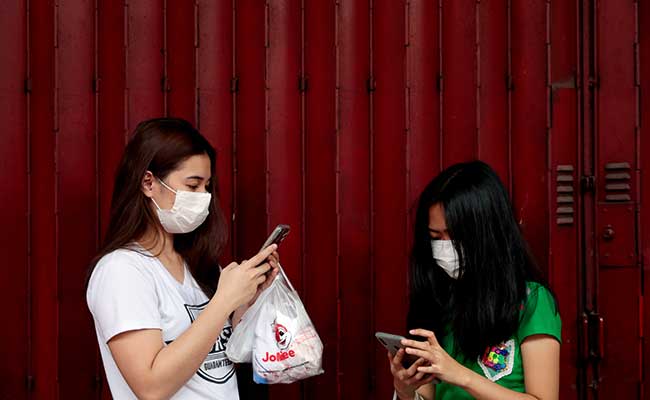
point(166, 187)
point(156, 204)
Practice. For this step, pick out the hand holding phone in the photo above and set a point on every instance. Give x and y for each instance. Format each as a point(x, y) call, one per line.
point(393, 343)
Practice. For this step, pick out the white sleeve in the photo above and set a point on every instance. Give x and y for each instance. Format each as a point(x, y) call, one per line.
point(122, 297)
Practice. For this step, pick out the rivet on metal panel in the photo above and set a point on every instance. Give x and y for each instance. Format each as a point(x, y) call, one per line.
point(608, 233)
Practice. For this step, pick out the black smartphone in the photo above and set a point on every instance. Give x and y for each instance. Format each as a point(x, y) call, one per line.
point(279, 233)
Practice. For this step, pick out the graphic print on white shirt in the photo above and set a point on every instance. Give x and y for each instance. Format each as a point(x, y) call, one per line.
point(214, 368)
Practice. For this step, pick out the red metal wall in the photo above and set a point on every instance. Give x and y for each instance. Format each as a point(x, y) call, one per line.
point(330, 116)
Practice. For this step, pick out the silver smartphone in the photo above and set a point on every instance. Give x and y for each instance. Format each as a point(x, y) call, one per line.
point(393, 343)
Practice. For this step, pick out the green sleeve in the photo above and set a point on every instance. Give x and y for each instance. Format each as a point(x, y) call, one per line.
point(540, 315)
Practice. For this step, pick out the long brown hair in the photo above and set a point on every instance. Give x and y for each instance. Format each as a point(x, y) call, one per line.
point(160, 145)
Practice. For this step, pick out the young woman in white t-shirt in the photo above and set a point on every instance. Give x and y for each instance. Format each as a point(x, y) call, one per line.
point(161, 305)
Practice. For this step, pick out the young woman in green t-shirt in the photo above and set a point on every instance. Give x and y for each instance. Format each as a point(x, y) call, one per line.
point(483, 321)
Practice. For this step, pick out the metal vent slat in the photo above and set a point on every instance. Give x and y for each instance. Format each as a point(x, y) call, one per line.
point(565, 199)
point(618, 182)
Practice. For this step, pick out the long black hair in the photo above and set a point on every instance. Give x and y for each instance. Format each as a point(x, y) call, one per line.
point(482, 307)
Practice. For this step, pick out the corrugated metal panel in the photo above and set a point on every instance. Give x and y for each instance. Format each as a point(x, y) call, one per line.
point(321, 262)
point(215, 71)
point(284, 140)
point(181, 36)
point(459, 81)
point(643, 82)
point(564, 215)
point(529, 24)
point(14, 180)
point(328, 116)
point(145, 55)
point(616, 151)
point(389, 183)
point(353, 196)
point(76, 200)
point(43, 189)
point(492, 86)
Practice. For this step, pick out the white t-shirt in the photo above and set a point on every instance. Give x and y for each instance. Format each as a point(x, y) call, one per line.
point(131, 290)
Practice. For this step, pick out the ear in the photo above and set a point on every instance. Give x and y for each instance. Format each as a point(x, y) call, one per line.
point(147, 184)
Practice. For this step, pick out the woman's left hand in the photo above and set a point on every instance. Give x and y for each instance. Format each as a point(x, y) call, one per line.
point(442, 365)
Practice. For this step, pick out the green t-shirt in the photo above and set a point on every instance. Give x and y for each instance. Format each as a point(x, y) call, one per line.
point(502, 364)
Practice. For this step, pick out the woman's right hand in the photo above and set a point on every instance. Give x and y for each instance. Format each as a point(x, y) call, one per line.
point(407, 381)
point(238, 283)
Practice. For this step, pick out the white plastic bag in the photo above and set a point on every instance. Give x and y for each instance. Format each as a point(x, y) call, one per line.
point(240, 344)
point(277, 336)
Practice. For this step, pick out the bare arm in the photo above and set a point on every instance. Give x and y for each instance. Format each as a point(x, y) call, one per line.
point(156, 371)
point(541, 362)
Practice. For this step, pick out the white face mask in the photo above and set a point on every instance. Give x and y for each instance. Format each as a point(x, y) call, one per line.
point(446, 256)
point(189, 211)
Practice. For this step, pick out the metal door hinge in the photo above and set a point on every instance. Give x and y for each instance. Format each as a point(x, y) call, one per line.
point(165, 86)
point(303, 84)
point(96, 83)
point(588, 184)
point(28, 85)
point(510, 83)
point(30, 383)
point(593, 332)
point(371, 84)
point(234, 85)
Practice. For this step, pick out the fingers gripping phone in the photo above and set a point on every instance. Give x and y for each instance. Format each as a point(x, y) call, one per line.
point(276, 237)
point(393, 343)
point(279, 233)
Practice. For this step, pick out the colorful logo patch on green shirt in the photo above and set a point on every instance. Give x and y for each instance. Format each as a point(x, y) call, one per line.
point(498, 361)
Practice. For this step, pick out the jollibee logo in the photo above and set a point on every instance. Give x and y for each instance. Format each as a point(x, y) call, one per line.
point(283, 340)
point(282, 336)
